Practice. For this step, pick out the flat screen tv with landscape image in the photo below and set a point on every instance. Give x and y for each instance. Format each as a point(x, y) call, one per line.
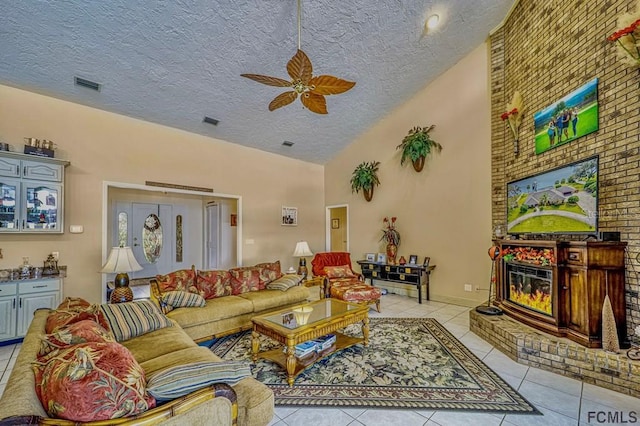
point(559, 201)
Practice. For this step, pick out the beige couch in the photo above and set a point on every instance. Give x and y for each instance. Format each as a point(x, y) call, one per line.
point(229, 314)
point(249, 401)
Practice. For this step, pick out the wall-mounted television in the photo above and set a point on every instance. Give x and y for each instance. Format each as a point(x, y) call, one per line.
point(558, 201)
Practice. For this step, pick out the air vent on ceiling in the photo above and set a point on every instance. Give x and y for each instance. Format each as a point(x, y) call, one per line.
point(87, 83)
point(287, 143)
point(211, 120)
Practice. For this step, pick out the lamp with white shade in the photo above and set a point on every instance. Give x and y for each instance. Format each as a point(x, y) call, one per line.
point(120, 261)
point(302, 250)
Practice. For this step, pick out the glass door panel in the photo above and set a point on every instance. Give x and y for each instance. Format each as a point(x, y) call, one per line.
point(43, 206)
point(9, 204)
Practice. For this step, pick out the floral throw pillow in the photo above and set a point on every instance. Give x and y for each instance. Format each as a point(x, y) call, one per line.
point(182, 280)
point(244, 280)
point(211, 284)
point(73, 303)
point(343, 271)
point(92, 381)
point(269, 271)
point(79, 332)
point(63, 317)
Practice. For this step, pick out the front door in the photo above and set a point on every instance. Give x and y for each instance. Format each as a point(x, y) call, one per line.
point(151, 234)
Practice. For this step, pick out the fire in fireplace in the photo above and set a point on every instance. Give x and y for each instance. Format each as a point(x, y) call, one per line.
point(530, 287)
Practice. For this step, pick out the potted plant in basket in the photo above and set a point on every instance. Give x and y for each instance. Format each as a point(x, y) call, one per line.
point(417, 145)
point(364, 178)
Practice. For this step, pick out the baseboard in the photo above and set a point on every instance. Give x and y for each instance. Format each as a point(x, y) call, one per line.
point(411, 291)
point(460, 301)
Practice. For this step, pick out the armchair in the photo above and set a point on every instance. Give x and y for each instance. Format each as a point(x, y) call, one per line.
point(342, 281)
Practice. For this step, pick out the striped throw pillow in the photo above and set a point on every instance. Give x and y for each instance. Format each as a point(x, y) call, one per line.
point(131, 319)
point(174, 382)
point(180, 299)
point(285, 282)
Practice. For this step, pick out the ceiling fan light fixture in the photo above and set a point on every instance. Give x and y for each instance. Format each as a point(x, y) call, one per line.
point(432, 22)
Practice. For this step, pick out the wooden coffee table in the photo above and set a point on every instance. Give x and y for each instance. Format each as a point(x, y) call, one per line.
point(328, 316)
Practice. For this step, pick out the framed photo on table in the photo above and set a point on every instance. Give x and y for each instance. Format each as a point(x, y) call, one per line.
point(413, 259)
point(426, 262)
point(370, 257)
point(382, 258)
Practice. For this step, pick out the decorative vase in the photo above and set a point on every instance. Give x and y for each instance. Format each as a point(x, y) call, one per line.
point(392, 250)
point(368, 193)
point(402, 261)
point(418, 164)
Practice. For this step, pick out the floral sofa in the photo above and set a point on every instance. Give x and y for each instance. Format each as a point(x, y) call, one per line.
point(88, 370)
point(231, 297)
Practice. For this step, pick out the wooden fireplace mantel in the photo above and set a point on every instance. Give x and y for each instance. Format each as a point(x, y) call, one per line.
point(582, 273)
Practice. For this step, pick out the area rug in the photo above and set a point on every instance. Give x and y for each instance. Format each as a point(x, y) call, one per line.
point(409, 363)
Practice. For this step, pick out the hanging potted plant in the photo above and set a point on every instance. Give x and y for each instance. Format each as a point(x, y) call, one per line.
point(364, 178)
point(417, 145)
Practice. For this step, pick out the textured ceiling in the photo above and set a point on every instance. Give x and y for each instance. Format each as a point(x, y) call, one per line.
point(173, 62)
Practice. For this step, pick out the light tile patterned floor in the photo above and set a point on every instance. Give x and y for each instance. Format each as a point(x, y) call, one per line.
point(563, 401)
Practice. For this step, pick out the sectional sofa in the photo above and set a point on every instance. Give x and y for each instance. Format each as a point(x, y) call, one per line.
point(247, 402)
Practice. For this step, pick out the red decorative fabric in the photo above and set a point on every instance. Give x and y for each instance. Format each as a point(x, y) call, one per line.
point(244, 280)
point(182, 280)
point(92, 381)
point(61, 317)
point(354, 291)
point(73, 303)
point(211, 284)
point(321, 260)
point(268, 272)
point(79, 332)
point(343, 271)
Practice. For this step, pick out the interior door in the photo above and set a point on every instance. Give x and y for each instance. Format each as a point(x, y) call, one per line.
point(151, 237)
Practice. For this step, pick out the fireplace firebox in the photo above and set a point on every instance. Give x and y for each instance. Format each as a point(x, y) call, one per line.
point(530, 287)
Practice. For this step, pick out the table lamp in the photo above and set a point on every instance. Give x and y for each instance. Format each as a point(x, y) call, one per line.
point(121, 260)
point(302, 250)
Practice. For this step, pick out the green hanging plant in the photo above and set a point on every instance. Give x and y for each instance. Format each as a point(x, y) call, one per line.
point(365, 178)
point(417, 146)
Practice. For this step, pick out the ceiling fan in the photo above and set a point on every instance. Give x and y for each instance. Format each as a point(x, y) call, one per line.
point(312, 90)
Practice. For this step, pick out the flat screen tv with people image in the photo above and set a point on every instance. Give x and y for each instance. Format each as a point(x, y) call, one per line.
point(568, 119)
point(559, 201)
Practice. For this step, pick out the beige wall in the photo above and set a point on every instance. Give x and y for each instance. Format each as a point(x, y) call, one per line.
point(102, 146)
point(445, 211)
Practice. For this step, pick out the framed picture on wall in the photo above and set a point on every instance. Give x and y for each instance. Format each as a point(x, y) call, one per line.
point(567, 119)
point(289, 216)
point(335, 223)
point(234, 219)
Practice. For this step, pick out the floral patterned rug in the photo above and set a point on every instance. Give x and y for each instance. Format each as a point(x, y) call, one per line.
point(409, 363)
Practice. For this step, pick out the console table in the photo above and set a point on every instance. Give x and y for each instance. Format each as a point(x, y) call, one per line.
point(416, 275)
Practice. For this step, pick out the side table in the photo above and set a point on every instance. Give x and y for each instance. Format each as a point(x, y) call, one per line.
point(319, 281)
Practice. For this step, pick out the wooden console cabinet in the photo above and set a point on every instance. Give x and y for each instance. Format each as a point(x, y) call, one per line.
point(581, 274)
point(416, 275)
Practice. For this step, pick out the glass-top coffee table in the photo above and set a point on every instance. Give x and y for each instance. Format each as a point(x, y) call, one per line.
point(327, 317)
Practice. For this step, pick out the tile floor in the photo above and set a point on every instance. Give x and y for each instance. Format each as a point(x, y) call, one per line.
point(562, 400)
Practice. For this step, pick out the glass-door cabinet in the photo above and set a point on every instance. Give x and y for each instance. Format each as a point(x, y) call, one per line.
point(9, 204)
point(42, 203)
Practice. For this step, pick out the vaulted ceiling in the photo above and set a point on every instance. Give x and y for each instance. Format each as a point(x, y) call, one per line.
point(175, 62)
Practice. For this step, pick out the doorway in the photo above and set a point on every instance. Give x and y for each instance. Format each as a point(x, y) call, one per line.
point(337, 234)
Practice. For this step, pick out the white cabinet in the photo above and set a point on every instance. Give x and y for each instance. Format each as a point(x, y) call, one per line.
point(20, 299)
point(31, 193)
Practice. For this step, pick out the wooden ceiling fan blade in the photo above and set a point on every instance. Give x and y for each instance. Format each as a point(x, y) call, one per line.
point(314, 102)
point(282, 99)
point(269, 81)
point(330, 85)
point(299, 67)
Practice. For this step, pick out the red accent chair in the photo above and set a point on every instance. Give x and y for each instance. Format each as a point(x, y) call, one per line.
point(343, 282)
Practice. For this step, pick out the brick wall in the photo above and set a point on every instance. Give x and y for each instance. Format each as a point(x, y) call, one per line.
point(546, 50)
